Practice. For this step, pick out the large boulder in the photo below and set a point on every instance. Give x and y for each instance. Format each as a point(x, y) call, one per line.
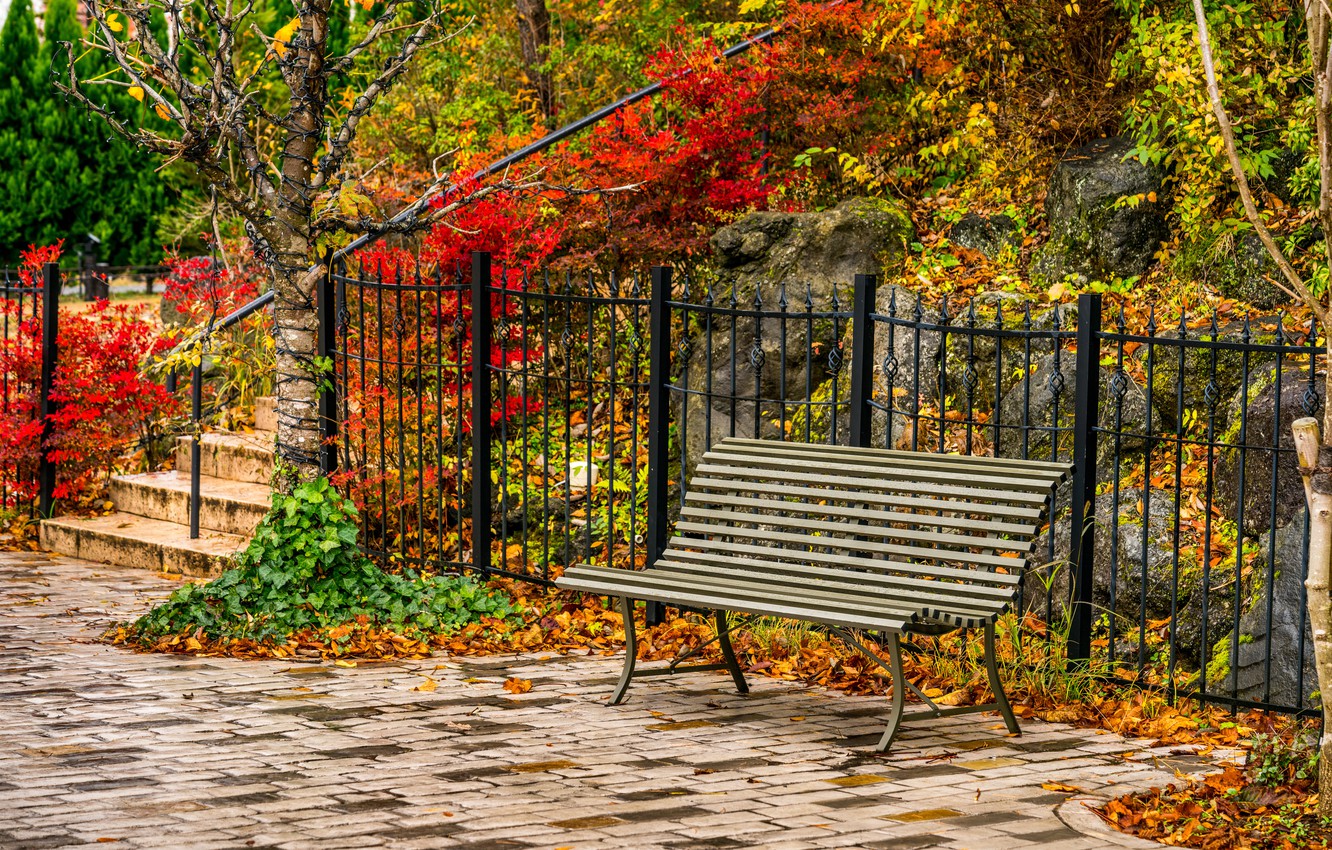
point(822, 249)
point(749, 377)
point(1248, 274)
point(1106, 215)
point(1137, 579)
point(1258, 451)
point(1205, 380)
point(1274, 625)
point(988, 235)
point(1042, 400)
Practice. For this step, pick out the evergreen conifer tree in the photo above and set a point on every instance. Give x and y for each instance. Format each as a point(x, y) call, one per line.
point(19, 74)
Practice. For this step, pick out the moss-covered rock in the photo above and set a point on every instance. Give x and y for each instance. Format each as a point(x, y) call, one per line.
point(1203, 380)
point(1273, 659)
point(1106, 213)
point(1041, 401)
point(1256, 447)
point(1236, 266)
point(747, 376)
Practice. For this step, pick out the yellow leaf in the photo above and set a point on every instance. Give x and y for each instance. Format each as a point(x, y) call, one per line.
point(162, 112)
point(136, 92)
point(282, 38)
point(428, 685)
point(1061, 788)
point(518, 686)
point(341, 663)
point(113, 22)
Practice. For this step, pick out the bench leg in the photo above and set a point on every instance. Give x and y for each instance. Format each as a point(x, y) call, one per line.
point(630, 650)
point(728, 653)
point(899, 693)
point(992, 671)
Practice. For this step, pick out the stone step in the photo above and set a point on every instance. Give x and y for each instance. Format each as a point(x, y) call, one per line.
point(232, 507)
point(127, 540)
point(265, 414)
point(234, 457)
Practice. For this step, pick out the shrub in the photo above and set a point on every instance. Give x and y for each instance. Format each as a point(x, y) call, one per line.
point(105, 404)
point(303, 573)
point(241, 357)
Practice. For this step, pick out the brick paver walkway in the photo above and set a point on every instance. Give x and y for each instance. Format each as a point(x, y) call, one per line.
point(103, 745)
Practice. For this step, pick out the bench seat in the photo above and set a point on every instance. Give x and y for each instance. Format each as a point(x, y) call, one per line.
point(854, 539)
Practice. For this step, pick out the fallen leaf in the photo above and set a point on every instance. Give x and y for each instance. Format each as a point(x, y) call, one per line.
point(1061, 788)
point(518, 686)
point(427, 686)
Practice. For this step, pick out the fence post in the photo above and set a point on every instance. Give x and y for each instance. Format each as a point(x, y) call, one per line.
point(481, 338)
point(659, 422)
point(196, 444)
point(1086, 410)
point(46, 407)
point(326, 305)
point(862, 358)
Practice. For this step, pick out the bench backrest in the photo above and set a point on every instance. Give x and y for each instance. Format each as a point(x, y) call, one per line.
point(760, 505)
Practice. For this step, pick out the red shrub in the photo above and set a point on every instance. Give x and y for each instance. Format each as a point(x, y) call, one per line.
point(104, 403)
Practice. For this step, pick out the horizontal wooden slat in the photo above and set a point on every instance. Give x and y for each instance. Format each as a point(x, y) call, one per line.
point(790, 499)
point(752, 597)
point(873, 547)
point(845, 581)
point(644, 585)
point(999, 487)
point(980, 584)
point(735, 521)
point(1057, 467)
point(779, 485)
point(850, 597)
point(842, 556)
point(742, 472)
point(883, 458)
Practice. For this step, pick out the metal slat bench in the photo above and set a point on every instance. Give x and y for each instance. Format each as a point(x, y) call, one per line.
point(855, 539)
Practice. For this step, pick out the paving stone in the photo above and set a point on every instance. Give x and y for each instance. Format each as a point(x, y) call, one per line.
point(170, 752)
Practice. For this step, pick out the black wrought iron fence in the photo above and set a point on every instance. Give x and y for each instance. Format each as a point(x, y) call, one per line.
point(401, 360)
point(1201, 545)
point(29, 324)
point(573, 438)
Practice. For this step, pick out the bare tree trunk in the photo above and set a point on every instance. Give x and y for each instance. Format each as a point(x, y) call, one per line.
point(534, 42)
point(1315, 466)
point(295, 322)
point(294, 334)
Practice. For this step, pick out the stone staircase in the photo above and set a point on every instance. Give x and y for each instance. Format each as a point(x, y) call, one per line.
point(149, 528)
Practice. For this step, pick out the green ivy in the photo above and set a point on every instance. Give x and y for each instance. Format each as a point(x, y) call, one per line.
point(304, 572)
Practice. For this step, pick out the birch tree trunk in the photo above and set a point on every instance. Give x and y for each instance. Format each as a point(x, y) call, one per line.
point(294, 334)
point(1316, 468)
